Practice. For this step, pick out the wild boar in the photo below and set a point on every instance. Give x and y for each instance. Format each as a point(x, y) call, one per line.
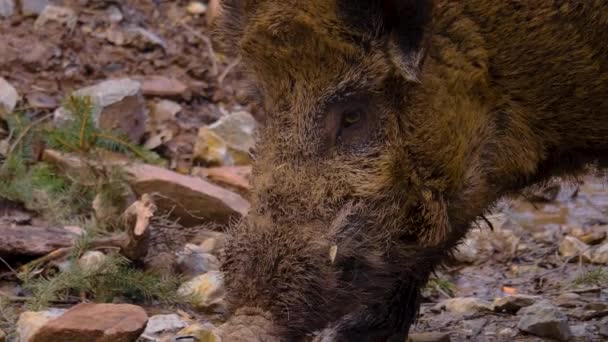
point(391, 127)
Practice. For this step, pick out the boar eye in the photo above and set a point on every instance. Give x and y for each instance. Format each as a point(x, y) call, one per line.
point(351, 118)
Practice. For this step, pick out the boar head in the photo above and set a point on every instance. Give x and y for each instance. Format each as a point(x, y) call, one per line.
point(361, 183)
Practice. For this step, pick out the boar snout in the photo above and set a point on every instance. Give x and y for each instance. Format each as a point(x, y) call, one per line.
point(248, 325)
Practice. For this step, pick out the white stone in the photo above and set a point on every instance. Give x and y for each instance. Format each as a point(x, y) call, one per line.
point(31, 321)
point(205, 290)
point(8, 97)
point(163, 323)
point(7, 8)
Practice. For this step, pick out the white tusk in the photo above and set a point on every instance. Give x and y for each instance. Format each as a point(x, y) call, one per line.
point(333, 251)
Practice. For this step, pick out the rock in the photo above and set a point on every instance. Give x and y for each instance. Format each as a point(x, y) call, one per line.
point(209, 245)
point(232, 176)
point(213, 10)
point(228, 141)
point(196, 8)
point(8, 97)
point(545, 320)
point(30, 322)
point(205, 290)
point(118, 105)
point(512, 304)
point(162, 126)
point(33, 241)
point(474, 327)
point(114, 14)
point(579, 330)
point(164, 110)
point(33, 7)
point(572, 247)
point(506, 332)
point(164, 87)
point(41, 101)
point(7, 8)
point(62, 15)
point(143, 39)
point(550, 235)
point(464, 305)
point(194, 261)
point(91, 261)
point(164, 323)
point(2, 336)
point(197, 333)
point(569, 300)
point(95, 323)
point(600, 255)
point(429, 337)
point(191, 199)
point(603, 327)
point(161, 134)
point(593, 237)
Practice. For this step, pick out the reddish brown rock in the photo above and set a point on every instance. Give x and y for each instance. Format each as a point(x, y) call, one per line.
point(232, 176)
point(33, 241)
point(192, 199)
point(95, 323)
point(163, 87)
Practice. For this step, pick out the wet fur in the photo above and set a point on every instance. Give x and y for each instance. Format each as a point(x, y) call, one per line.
point(475, 101)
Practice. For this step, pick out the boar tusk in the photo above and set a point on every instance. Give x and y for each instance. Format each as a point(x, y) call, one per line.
point(333, 251)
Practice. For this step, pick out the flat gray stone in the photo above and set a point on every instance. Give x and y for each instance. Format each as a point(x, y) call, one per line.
point(545, 320)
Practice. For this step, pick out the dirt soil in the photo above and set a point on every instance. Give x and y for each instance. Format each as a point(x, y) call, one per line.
point(520, 257)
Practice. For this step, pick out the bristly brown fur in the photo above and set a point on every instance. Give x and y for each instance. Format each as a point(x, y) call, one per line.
point(472, 100)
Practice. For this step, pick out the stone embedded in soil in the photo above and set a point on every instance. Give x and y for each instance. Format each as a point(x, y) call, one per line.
point(233, 176)
point(162, 86)
point(506, 332)
point(2, 336)
point(118, 105)
point(164, 323)
point(198, 332)
point(600, 255)
point(545, 320)
point(162, 126)
point(464, 306)
point(228, 141)
point(603, 327)
point(30, 322)
point(41, 101)
point(33, 241)
point(33, 7)
point(62, 15)
point(512, 304)
point(593, 237)
point(205, 290)
point(143, 39)
point(196, 8)
point(8, 97)
point(429, 337)
point(573, 247)
point(580, 330)
point(194, 261)
point(91, 261)
point(7, 8)
point(191, 199)
point(114, 14)
point(569, 300)
point(95, 323)
point(213, 10)
point(164, 110)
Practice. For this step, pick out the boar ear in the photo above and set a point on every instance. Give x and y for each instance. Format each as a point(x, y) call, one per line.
point(407, 24)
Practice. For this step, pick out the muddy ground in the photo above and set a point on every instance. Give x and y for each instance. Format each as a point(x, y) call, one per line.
point(520, 256)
